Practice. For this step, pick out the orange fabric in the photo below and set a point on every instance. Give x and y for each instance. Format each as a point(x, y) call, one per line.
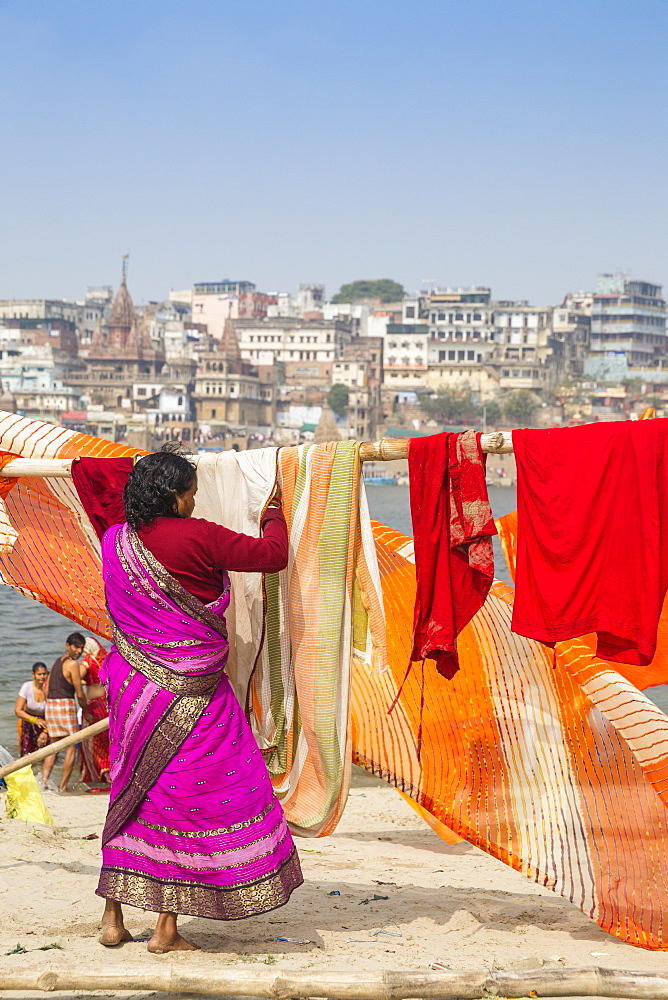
point(560, 773)
point(5, 483)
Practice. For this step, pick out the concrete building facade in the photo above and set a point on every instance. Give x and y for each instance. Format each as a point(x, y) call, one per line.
point(628, 325)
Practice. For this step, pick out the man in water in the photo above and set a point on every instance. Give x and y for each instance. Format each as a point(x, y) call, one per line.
point(61, 709)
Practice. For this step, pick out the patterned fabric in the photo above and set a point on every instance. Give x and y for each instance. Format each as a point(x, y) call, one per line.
point(516, 755)
point(454, 556)
point(31, 737)
point(61, 716)
point(193, 824)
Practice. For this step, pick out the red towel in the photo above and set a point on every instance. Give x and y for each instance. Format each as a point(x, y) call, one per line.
point(454, 557)
point(592, 535)
point(100, 483)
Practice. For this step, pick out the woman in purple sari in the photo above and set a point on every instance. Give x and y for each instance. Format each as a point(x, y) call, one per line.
point(193, 825)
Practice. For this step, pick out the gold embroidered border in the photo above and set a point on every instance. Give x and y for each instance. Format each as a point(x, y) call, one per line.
point(206, 855)
point(164, 677)
point(209, 833)
point(214, 866)
point(163, 744)
point(199, 900)
point(171, 586)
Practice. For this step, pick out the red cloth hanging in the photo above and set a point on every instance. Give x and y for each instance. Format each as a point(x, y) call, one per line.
point(592, 535)
point(454, 557)
point(100, 483)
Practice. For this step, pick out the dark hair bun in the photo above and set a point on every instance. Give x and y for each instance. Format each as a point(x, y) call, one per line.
point(152, 487)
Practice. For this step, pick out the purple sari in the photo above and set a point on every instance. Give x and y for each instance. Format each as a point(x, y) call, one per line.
point(193, 824)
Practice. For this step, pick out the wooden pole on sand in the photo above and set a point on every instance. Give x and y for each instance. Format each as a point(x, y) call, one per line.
point(67, 741)
point(469, 984)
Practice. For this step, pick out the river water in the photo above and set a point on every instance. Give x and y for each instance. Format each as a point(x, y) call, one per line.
point(30, 632)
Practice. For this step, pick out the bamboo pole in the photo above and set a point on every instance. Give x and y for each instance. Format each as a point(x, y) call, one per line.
point(385, 450)
point(449, 984)
point(53, 748)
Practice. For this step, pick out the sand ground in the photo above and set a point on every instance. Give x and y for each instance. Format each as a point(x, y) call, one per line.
point(448, 903)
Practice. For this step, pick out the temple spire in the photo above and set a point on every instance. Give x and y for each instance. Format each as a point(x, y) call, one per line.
point(124, 268)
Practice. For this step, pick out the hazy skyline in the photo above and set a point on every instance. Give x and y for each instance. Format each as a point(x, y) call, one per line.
point(518, 145)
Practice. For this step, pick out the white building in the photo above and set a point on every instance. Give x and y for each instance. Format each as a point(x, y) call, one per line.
point(294, 342)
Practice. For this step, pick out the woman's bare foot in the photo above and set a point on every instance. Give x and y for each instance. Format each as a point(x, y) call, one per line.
point(113, 928)
point(167, 938)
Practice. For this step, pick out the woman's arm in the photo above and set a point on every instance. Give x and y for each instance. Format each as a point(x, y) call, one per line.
point(21, 711)
point(245, 554)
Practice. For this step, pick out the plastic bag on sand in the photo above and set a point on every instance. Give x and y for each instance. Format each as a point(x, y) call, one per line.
point(24, 798)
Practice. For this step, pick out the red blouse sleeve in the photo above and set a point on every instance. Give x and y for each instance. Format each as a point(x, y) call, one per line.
point(245, 554)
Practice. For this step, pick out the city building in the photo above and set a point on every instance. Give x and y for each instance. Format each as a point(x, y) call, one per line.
point(363, 397)
point(571, 329)
point(93, 311)
point(215, 302)
point(120, 356)
point(522, 337)
point(230, 396)
point(310, 300)
point(307, 348)
point(628, 327)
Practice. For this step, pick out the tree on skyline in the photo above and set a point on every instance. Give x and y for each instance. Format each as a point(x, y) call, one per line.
point(520, 407)
point(338, 398)
point(384, 289)
point(449, 406)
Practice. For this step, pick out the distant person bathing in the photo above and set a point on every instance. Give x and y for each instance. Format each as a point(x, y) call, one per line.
point(61, 709)
point(29, 709)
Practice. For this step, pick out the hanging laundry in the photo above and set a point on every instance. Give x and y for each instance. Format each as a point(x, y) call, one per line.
point(454, 557)
point(513, 757)
point(293, 634)
point(592, 535)
point(100, 484)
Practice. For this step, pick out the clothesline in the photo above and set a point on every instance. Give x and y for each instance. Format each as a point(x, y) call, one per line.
point(385, 450)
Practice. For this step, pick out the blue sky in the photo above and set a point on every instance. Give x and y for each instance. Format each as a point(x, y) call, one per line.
point(516, 144)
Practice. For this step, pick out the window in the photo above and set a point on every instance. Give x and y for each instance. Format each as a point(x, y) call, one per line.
point(515, 373)
point(405, 360)
point(213, 413)
point(179, 401)
point(470, 355)
point(441, 355)
point(506, 372)
point(477, 317)
point(441, 334)
point(461, 355)
point(405, 344)
point(406, 375)
point(441, 317)
point(392, 344)
point(141, 391)
point(410, 313)
point(392, 360)
point(418, 360)
point(527, 374)
point(459, 316)
point(452, 355)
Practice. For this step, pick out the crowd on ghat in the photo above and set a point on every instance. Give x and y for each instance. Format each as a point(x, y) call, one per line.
point(56, 703)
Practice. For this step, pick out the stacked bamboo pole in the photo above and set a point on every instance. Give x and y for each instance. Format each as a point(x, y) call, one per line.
point(450, 984)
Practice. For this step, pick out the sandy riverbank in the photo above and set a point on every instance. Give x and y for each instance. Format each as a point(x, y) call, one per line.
point(448, 903)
